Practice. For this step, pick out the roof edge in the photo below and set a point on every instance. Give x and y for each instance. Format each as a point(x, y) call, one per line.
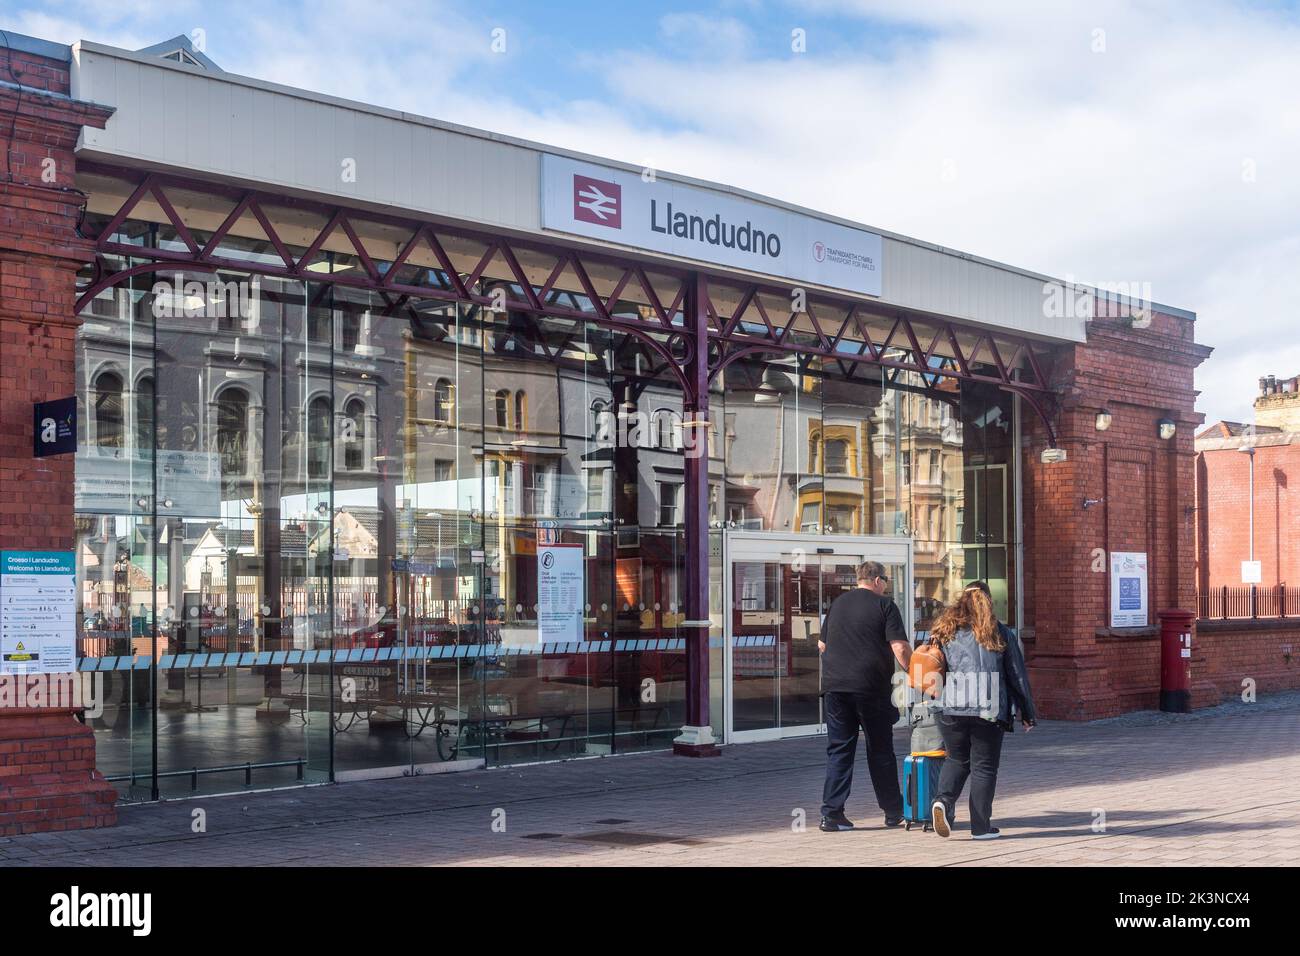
point(28, 44)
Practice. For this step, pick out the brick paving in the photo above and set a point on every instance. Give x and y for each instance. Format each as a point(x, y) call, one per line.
point(1213, 790)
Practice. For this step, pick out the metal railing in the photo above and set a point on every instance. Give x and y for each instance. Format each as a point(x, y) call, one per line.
point(1237, 601)
point(194, 773)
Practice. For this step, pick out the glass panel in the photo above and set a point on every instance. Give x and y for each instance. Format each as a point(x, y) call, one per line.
point(757, 613)
point(650, 659)
point(799, 633)
point(437, 582)
point(552, 692)
point(119, 587)
point(300, 691)
point(770, 436)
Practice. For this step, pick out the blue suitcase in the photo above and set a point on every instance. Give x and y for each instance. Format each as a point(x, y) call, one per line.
point(920, 784)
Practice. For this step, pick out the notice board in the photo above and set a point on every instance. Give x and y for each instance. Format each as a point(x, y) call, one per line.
point(1128, 589)
point(561, 593)
point(38, 612)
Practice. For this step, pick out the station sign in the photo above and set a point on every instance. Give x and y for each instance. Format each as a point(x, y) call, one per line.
point(646, 212)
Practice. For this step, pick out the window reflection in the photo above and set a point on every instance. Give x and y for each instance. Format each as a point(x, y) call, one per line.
point(109, 420)
point(334, 477)
point(232, 431)
point(820, 453)
point(444, 404)
point(318, 438)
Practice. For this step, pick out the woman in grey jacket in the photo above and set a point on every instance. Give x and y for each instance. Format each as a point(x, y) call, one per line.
point(984, 685)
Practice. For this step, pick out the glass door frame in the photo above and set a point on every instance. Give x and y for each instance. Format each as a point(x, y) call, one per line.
point(766, 546)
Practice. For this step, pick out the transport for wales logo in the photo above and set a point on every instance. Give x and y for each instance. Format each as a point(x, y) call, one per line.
point(597, 201)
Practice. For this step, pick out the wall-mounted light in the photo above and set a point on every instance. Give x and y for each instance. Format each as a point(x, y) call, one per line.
point(1165, 428)
point(1104, 418)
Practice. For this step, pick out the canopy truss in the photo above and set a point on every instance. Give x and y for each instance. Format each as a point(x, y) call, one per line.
point(203, 226)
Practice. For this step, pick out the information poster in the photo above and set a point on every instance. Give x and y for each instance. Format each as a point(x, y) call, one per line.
point(1128, 589)
point(561, 593)
point(38, 612)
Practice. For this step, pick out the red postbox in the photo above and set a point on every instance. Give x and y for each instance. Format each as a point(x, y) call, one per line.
point(1176, 661)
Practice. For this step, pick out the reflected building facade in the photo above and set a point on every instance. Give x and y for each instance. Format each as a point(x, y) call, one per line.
point(322, 517)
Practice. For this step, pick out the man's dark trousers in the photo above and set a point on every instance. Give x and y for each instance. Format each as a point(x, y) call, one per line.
point(845, 715)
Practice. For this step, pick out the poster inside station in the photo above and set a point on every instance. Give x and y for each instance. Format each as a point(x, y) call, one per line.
point(561, 593)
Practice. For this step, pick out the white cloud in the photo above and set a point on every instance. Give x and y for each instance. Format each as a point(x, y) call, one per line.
point(705, 36)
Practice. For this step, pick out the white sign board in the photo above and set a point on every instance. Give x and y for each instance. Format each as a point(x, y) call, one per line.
point(618, 206)
point(38, 612)
point(1128, 589)
point(561, 593)
point(189, 482)
point(1252, 572)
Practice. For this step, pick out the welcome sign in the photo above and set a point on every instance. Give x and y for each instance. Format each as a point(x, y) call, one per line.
point(663, 216)
point(38, 612)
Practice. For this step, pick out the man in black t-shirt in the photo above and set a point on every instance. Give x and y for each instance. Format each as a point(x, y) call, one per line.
point(862, 637)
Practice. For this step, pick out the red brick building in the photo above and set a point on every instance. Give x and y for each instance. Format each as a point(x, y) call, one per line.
point(1226, 483)
point(1248, 632)
point(422, 453)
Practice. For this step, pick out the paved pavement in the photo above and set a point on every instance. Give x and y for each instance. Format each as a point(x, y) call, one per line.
point(1216, 789)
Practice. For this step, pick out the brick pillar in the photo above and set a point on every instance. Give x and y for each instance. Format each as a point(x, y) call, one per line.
point(1140, 494)
point(48, 779)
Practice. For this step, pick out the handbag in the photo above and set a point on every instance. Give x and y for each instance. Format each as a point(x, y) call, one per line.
point(926, 670)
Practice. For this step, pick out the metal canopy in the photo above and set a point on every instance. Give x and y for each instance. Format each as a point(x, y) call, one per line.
point(408, 261)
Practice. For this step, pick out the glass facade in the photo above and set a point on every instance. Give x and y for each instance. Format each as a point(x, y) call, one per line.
point(309, 516)
point(811, 451)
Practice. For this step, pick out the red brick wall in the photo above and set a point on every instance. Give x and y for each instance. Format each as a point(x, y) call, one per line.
point(1143, 489)
point(1224, 497)
point(34, 71)
point(1224, 655)
point(47, 758)
point(48, 779)
point(40, 253)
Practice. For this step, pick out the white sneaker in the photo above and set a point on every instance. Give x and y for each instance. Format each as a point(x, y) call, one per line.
point(939, 817)
point(993, 834)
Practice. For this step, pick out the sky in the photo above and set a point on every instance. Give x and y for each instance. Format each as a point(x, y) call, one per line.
point(1154, 144)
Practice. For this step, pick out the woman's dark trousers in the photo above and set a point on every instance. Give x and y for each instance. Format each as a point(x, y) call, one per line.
point(974, 748)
